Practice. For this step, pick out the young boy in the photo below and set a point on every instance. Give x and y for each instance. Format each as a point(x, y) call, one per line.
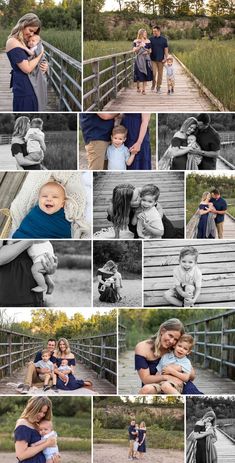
point(147, 217)
point(187, 279)
point(35, 148)
point(117, 153)
point(118, 282)
point(46, 363)
point(170, 75)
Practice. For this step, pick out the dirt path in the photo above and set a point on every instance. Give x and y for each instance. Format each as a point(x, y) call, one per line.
point(131, 295)
point(116, 453)
point(66, 457)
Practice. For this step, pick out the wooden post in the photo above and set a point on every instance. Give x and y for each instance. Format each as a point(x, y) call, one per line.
point(102, 355)
point(22, 349)
point(9, 350)
point(125, 73)
point(206, 349)
point(96, 71)
point(195, 327)
point(114, 72)
point(90, 353)
point(224, 351)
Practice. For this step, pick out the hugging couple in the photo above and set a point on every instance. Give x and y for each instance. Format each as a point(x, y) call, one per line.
point(53, 368)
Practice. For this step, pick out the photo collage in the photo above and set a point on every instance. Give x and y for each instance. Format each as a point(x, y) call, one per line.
point(117, 152)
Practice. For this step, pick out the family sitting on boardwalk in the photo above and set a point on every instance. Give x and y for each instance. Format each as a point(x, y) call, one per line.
point(150, 60)
point(54, 368)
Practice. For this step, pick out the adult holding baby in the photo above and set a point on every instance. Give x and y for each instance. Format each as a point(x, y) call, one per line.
point(19, 146)
point(25, 78)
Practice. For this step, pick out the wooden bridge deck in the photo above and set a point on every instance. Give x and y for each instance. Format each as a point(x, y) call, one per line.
point(216, 261)
point(6, 97)
point(8, 385)
point(187, 97)
point(206, 381)
point(171, 198)
point(225, 448)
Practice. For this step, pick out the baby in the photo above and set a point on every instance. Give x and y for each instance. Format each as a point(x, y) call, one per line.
point(64, 367)
point(187, 279)
point(117, 153)
point(170, 75)
point(46, 363)
point(193, 160)
point(147, 217)
point(118, 282)
point(34, 147)
point(35, 46)
point(45, 431)
point(47, 219)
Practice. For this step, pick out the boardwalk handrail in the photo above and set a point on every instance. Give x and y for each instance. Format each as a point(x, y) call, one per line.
point(16, 349)
point(109, 74)
point(99, 353)
point(204, 349)
point(65, 74)
point(122, 337)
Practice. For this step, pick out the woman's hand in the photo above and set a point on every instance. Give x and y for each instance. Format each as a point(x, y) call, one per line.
point(44, 66)
point(56, 458)
point(50, 264)
point(168, 370)
point(134, 149)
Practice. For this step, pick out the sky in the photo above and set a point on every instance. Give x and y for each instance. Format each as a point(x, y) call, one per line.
point(24, 314)
point(214, 173)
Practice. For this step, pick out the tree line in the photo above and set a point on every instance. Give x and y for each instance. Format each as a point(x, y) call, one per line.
point(51, 122)
point(197, 184)
point(127, 254)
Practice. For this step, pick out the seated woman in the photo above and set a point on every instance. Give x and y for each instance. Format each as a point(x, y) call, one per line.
point(108, 292)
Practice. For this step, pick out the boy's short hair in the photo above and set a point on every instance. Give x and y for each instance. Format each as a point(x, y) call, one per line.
point(46, 351)
point(215, 191)
point(36, 122)
point(188, 250)
point(119, 129)
point(150, 189)
point(187, 338)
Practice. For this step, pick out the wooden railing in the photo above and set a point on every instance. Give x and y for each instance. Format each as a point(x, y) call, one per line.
point(104, 77)
point(214, 339)
point(65, 74)
point(99, 353)
point(121, 337)
point(15, 350)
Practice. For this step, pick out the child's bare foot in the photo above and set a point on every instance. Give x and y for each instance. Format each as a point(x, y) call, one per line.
point(50, 286)
point(39, 289)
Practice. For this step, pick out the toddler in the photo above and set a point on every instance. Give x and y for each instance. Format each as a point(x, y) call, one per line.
point(147, 217)
point(117, 277)
point(46, 431)
point(193, 160)
point(187, 279)
point(46, 363)
point(136, 444)
point(64, 367)
point(35, 148)
point(47, 219)
point(117, 153)
point(170, 75)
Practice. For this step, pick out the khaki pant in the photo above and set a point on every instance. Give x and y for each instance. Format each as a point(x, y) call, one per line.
point(131, 448)
point(220, 230)
point(95, 151)
point(157, 67)
point(32, 376)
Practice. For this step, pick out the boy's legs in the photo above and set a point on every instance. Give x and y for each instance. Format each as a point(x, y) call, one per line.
point(172, 298)
point(36, 156)
point(190, 289)
point(95, 151)
point(168, 388)
point(150, 389)
point(38, 276)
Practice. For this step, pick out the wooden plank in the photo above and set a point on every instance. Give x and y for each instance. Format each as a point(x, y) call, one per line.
point(198, 244)
point(212, 268)
point(171, 260)
point(10, 186)
point(164, 284)
point(158, 251)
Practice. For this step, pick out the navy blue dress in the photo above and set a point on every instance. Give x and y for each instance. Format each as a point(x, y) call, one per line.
point(202, 224)
point(141, 76)
point(179, 162)
point(142, 447)
point(24, 98)
point(24, 433)
point(73, 383)
point(142, 362)
point(142, 160)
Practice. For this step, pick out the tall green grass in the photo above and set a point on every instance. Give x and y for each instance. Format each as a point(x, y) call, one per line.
point(67, 41)
point(61, 150)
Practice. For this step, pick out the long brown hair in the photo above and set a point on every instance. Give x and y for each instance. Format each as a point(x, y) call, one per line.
point(34, 406)
point(29, 19)
point(121, 201)
point(173, 324)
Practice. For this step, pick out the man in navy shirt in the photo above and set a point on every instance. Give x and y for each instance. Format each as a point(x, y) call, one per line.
point(220, 206)
point(209, 141)
point(31, 376)
point(132, 435)
point(96, 129)
point(159, 47)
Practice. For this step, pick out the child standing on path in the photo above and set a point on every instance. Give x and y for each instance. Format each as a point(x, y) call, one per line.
point(117, 154)
point(170, 75)
point(187, 279)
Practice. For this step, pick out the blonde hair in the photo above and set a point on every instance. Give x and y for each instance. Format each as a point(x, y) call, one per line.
point(188, 339)
point(67, 352)
point(34, 406)
point(204, 195)
point(140, 33)
point(21, 126)
point(187, 123)
point(46, 351)
point(29, 19)
point(173, 324)
point(142, 424)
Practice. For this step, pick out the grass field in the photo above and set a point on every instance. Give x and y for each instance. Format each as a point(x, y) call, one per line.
point(61, 150)
point(72, 288)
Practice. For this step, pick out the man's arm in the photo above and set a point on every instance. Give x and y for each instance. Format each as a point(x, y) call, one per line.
point(208, 154)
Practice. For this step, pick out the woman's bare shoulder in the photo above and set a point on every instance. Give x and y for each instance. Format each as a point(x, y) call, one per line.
point(143, 348)
point(70, 356)
point(12, 42)
point(22, 422)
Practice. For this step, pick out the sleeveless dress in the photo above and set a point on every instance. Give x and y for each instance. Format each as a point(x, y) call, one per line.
point(179, 163)
point(16, 282)
point(142, 160)
point(142, 362)
point(201, 445)
point(142, 447)
point(73, 383)
point(24, 98)
point(140, 76)
point(29, 435)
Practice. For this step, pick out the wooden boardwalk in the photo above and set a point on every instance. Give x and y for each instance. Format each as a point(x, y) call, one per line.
point(6, 97)
point(216, 261)
point(206, 381)
point(99, 387)
point(225, 448)
point(187, 97)
point(229, 227)
point(7, 161)
point(171, 198)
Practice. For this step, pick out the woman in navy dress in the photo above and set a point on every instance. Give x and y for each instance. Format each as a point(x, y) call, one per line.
point(19, 145)
point(149, 352)
point(206, 225)
point(201, 448)
point(143, 67)
point(26, 432)
point(24, 97)
point(142, 439)
point(63, 352)
point(138, 139)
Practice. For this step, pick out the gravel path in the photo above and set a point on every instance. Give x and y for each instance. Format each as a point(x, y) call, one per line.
point(116, 453)
point(66, 457)
point(131, 295)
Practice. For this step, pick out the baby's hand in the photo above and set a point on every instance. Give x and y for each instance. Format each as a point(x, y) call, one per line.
point(51, 442)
